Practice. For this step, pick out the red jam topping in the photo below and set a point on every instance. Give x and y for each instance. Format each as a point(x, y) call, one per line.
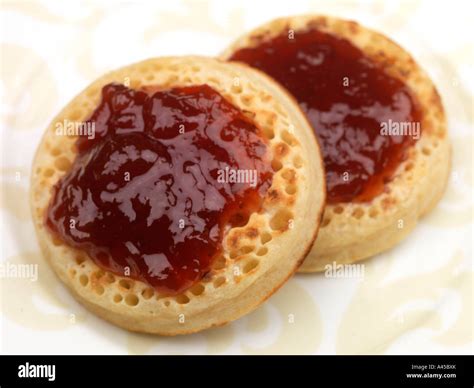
point(153, 192)
point(347, 97)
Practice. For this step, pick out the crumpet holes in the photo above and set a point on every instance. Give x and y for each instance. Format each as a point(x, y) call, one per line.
point(426, 151)
point(56, 241)
point(233, 254)
point(148, 293)
point(276, 165)
point(250, 265)
point(84, 280)
point(131, 300)
point(338, 209)
point(280, 110)
point(281, 220)
point(288, 138)
point(197, 289)
point(241, 251)
point(290, 189)
point(56, 151)
point(126, 284)
point(358, 213)
point(219, 281)
point(268, 132)
point(246, 249)
point(109, 278)
point(118, 298)
point(62, 163)
point(48, 172)
point(99, 289)
point(373, 213)
point(298, 162)
point(325, 222)
point(182, 299)
point(237, 89)
point(80, 259)
point(289, 175)
point(219, 263)
point(172, 79)
point(270, 120)
point(281, 150)
point(246, 100)
point(262, 251)
point(265, 237)
point(99, 274)
point(213, 80)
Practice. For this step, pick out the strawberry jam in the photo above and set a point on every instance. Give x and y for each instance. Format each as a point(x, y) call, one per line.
point(151, 195)
point(348, 99)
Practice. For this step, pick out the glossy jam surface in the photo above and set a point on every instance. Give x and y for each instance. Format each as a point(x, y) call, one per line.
point(150, 194)
point(346, 98)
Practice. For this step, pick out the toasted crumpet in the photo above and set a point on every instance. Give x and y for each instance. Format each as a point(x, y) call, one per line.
point(355, 231)
point(257, 258)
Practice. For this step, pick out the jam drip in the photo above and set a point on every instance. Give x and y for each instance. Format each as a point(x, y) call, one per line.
point(153, 191)
point(346, 97)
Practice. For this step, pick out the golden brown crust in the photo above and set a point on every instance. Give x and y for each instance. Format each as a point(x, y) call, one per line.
point(355, 231)
point(258, 258)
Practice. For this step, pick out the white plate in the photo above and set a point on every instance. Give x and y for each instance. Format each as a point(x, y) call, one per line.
point(416, 298)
